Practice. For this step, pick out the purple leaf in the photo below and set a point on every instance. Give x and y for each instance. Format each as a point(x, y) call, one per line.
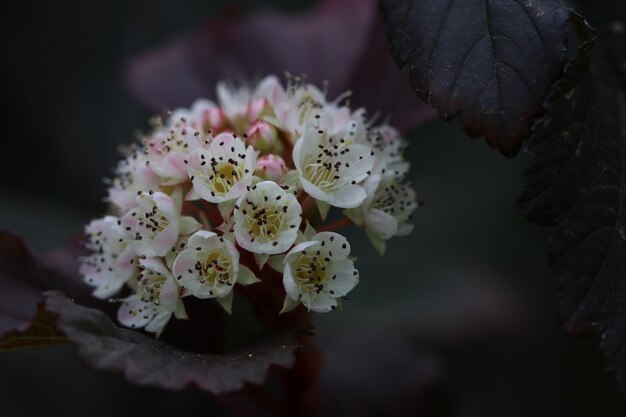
point(339, 41)
point(101, 343)
point(148, 361)
point(576, 183)
point(493, 62)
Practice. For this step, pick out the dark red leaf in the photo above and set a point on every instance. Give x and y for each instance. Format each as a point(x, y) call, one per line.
point(491, 62)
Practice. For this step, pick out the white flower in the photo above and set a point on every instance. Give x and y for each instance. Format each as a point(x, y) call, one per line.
point(203, 117)
point(270, 89)
point(154, 225)
point(223, 171)
point(318, 271)
point(209, 268)
point(388, 147)
point(386, 210)
point(302, 104)
point(267, 219)
point(133, 175)
point(239, 104)
point(331, 168)
point(155, 300)
point(167, 149)
point(112, 263)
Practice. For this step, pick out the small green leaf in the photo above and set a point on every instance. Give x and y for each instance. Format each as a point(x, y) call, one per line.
point(180, 312)
point(226, 208)
point(42, 333)
point(289, 305)
point(260, 259)
point(323, 208)
point(309, 232)
point(188, 225)
point(277, 262)
point(226, 302)
point(379, 244)
point(246, 276)
point(354, 214)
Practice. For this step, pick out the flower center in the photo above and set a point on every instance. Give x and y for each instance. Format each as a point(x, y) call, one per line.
point(152, 223)
point(395, 200)
point(264, 222)
point(311, 273)
point(223, 175)
point(150, 285)
point(324, 169)
point(215, 268)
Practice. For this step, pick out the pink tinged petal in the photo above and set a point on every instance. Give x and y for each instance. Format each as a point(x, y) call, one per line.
point(255, 108)
point(173, 166)
point(162, 242)
point(130, 221)
point(166, 204)
point(145, 176)
point(381, 223)
point(158, 323)
point(125, 263)
point(156, 265)
point(124, 199)
point(129, 313)
point(185, 262)
point(169, 294)
point(108, 286)
point(271, 89)
point(200, 238)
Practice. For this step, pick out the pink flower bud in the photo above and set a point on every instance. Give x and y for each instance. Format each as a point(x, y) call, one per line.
point(271, 167)
point(263, 137)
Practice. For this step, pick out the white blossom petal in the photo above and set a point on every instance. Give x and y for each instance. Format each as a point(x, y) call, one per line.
point(208, 267)
point(224, 170)
point(267, 219)
point(331, 168)
point(319, 271)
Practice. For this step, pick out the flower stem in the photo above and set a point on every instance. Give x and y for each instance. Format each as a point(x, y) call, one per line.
point(307, 202)
point(336, 225)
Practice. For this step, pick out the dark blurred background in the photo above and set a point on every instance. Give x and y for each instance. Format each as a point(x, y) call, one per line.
point(459, 319)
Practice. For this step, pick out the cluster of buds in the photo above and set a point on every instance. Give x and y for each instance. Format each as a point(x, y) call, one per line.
point(210, 183)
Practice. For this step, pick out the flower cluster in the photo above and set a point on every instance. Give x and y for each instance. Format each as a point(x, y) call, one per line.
point(248, 176)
